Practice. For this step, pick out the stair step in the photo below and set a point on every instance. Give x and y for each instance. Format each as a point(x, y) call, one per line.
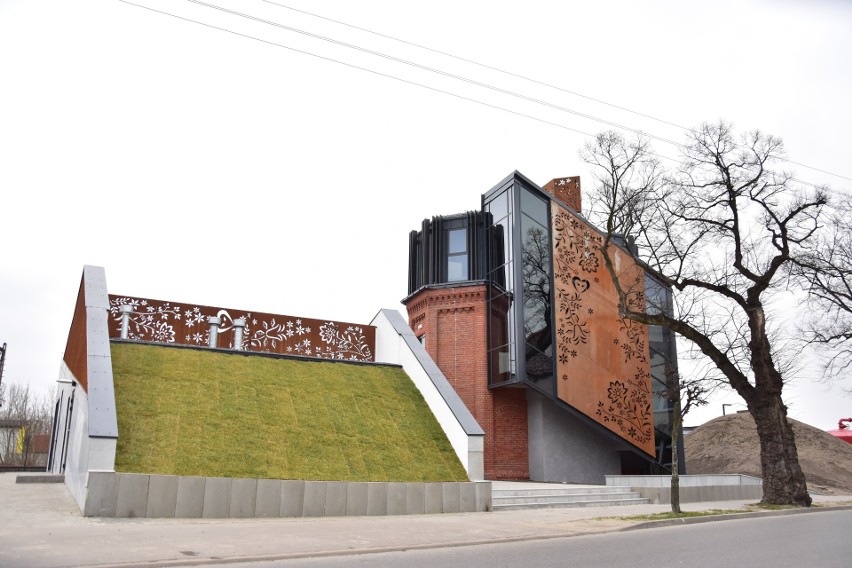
point(549, 505)
point(539, 496)
point(561, 497)
point(603, 490)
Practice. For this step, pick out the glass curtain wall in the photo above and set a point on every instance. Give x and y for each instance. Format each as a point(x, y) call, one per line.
point(502, 362)
point(536, 276)
point(663, 357)
point(520, 339)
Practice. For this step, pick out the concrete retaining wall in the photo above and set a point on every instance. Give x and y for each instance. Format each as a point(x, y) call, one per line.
point(166, 496)
point(693, 488)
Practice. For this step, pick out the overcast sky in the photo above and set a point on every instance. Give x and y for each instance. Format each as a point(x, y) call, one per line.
point(266, 169)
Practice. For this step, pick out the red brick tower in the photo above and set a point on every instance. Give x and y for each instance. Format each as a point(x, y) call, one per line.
point(450, 319)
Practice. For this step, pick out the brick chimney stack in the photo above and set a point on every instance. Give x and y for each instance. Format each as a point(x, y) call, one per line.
point(566, 190)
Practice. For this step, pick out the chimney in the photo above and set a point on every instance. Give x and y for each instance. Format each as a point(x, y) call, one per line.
point(566, 190)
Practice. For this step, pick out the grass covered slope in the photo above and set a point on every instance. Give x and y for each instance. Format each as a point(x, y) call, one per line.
point(203, 413)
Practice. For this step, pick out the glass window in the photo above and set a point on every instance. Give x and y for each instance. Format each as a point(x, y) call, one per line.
point(502, 276)
point(499, 206)
point(499, 243)
point(457, 241)
point(534, 206)
point(539, 366)
point(658, 297)
point(456, 255)
point(501, 317)
point(456, 267)
point(536, 276)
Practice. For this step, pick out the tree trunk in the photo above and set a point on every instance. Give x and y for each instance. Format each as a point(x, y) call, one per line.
point(783, 479)
point(676, 420)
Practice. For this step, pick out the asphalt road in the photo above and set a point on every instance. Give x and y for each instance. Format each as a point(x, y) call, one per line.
point(791, 541)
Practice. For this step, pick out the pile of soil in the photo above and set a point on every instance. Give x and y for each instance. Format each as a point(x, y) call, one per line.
point(729, 444)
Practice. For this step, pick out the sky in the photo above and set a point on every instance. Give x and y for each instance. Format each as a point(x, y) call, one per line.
point(227, 155)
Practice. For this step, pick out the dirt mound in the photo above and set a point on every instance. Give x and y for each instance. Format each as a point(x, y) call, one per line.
point(729, 444)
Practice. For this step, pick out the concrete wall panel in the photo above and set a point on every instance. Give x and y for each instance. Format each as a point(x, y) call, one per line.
point(434, 497)
point(314, 499)
point(126, 495)
point(396, 498)
point(483, 497)
point(292, 498)
point(377, 499)
point(190, 497)
point(415, 498)
point(102, 495)
point(132, 498)
point(268, 500)
point(356, 499)
point(335, 499)
point(162, 496)
point(451, 497)
point(243, 498)
point(467, 497)
point(217, 497)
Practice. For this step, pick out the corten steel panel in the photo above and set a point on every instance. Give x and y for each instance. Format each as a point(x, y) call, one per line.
point(171, 322)
point(567, 190)
point(75, 348)
point(603, 367)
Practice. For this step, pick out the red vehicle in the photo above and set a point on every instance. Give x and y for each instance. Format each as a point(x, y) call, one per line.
point(844, 432)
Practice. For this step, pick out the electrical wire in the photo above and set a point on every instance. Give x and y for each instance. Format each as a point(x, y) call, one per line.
point(477, 63)
point(436, 71)
point(431, 70)
point(523, 77)
point(360, 68)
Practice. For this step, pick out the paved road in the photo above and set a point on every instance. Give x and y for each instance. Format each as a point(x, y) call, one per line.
point(792, 541)
point(41, 527)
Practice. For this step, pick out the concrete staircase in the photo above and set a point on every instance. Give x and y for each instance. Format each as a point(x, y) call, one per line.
point(507, 496)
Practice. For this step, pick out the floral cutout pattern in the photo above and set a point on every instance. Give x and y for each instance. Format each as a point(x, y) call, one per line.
point(169, 322)
point(629, 408)
point(576, 259)
point(583, 290)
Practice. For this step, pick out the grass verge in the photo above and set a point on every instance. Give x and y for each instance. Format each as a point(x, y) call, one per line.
point(681, 515)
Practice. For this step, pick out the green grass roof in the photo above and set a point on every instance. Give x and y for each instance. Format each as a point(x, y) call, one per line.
point(205, 413)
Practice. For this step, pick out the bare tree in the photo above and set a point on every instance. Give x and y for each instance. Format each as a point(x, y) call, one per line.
point(684, 395)
point(719, 230)
point(824, 270)
point(22, 417)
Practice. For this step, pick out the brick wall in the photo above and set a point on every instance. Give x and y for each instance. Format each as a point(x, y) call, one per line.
point(454, 323)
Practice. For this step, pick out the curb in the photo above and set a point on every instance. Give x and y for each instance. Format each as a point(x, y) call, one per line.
point(733, 516)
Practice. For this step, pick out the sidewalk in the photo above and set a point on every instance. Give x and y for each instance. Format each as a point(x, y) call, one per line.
point(42, 527)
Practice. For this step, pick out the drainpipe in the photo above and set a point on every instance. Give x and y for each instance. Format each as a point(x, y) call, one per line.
point(239, 325)
point(214, 330)
point(125, 312)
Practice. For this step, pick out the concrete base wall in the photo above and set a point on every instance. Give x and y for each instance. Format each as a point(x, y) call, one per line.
point(165, 496)
point(693, 488)
point(563, 449)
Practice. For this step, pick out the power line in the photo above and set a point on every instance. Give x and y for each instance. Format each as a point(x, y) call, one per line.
point(431, 70)
point(477, 63)
point(414, 83)
point(353, 66)
point(525, 78)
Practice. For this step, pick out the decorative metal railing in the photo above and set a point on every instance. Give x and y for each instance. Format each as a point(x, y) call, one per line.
point(144, 319)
